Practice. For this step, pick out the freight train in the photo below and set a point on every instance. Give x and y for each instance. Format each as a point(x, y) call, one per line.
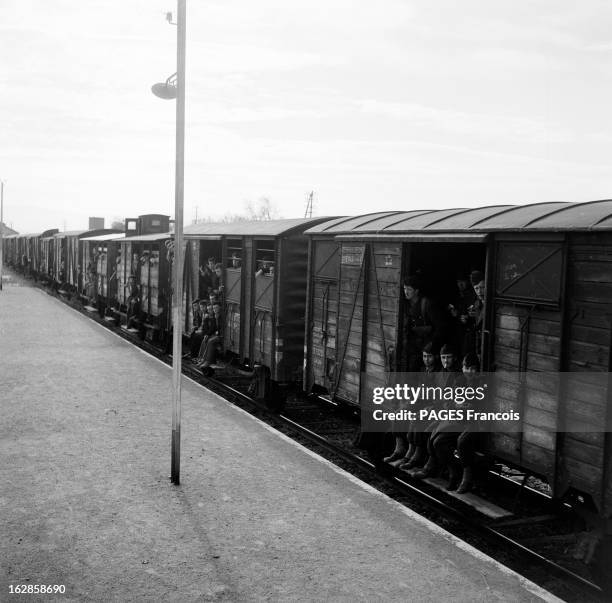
point(329, 310)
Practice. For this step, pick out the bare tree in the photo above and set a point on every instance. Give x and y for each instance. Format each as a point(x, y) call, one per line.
point(263, 209)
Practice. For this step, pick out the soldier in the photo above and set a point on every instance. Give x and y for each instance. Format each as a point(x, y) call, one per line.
point(441, 443)
point(468, 439)
point(459, 310)
point(207, 274)
point(195, 337)
point(417, 438)
point(423, 322)
point(212, 344)
point(475, 322)
point(133, 305)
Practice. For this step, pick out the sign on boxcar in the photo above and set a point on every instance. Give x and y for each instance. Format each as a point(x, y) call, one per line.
point(352, 255)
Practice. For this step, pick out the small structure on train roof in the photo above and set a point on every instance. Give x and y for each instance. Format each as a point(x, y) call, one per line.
point(96, 223)
point(147, 224)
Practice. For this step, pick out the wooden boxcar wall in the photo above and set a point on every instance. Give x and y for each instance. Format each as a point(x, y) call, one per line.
point(526, 346)
point(587, 455)
point(532, 339)
point(321, 329)
point(47, 253)
point(368, 314)
point(35, 248)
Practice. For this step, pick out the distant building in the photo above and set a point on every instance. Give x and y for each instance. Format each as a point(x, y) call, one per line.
point(96, 223)
point(6, 230)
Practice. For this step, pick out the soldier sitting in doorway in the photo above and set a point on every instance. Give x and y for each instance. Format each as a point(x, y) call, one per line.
point(417, 438)
point(195, 337)
point(133, 307)
point(443, 439)
point(212, 344)
point(423, 323)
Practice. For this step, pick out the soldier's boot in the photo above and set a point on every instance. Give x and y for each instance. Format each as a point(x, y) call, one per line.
point(454, 476)
point(399, 462)
point(467, 481)
point(398, 453)
point(430, 469)
point(416, 460)
point(409, 452)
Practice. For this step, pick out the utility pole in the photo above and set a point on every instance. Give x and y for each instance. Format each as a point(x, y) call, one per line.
point(309, 199)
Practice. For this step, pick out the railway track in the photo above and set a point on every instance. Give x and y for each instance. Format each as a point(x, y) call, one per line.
point(526, 561)
point(330, 436)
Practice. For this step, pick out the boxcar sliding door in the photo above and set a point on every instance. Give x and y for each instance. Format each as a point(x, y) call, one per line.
point(367, 314)
point(321, 330)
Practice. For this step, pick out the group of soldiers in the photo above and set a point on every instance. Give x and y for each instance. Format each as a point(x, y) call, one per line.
point(442, 342)
point(206, 336)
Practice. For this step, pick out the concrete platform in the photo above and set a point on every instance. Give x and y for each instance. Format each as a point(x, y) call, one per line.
point(86, 500)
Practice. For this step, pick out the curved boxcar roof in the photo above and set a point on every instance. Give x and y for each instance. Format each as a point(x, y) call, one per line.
point(83, 233)
point(69, 233)
point(256, 228)
point(106, 237)
point(158, 236)
point(552, 216)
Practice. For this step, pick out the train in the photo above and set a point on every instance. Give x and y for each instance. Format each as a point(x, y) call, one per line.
point(331, 310)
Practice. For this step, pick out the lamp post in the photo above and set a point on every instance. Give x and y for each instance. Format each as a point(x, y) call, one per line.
point(174, 88)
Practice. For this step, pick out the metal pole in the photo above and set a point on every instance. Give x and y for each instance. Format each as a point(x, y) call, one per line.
point(177, 297)
point(1, 230)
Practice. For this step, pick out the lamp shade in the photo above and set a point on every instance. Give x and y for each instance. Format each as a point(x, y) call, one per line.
point(164, 90)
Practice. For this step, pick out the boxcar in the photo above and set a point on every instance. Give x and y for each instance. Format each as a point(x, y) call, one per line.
point(9, 249)
point(265, 288)
point(145, 263)
point(64, 265)
point(99, 265)
point(548, 310)
point(45, 254)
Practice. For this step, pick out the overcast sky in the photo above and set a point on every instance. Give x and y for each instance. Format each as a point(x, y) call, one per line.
point(373, 105)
